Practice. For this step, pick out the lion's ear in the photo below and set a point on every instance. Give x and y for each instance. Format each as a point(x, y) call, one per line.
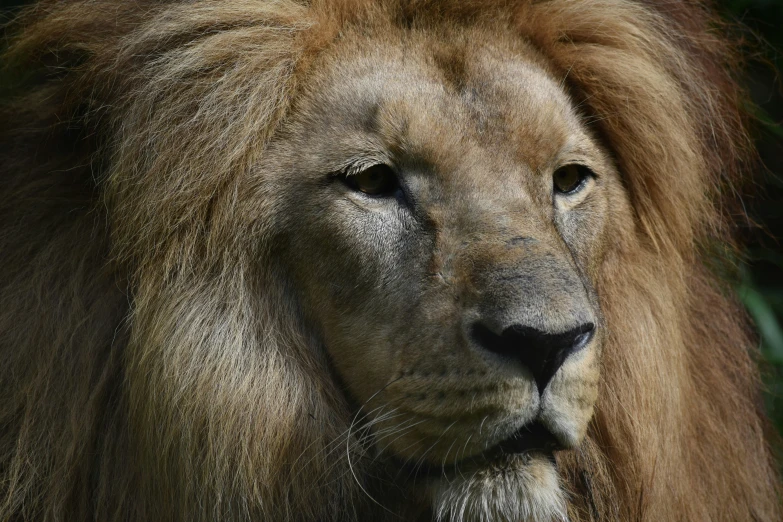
point(676, 133)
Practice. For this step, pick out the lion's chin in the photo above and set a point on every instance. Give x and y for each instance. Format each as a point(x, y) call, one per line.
point(520, 488)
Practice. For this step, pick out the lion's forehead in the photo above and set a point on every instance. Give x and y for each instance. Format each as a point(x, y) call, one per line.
point(445, 104)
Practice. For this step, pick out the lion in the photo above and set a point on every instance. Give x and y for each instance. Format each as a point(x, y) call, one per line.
point(375, 260)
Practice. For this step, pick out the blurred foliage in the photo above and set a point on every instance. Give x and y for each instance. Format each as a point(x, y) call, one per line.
point(761, 283)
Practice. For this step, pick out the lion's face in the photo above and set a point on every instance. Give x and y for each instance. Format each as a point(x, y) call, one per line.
point(356, 260)
point(446, 210)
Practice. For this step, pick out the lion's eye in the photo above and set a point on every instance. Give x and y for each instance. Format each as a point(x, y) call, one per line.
point(570, 178)
point(378, 180)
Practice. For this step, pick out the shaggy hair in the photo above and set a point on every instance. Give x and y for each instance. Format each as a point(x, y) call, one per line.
point(152, 365)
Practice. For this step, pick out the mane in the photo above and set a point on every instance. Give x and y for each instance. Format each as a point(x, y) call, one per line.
point(132, 268)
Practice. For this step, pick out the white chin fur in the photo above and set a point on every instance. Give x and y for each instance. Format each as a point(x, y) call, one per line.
point(524, 489)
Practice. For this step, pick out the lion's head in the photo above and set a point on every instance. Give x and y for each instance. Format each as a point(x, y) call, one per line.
point(342, 260)
point(443, 234)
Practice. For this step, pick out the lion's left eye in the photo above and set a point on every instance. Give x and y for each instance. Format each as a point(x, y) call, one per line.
point(570, 179)
point(378, 180)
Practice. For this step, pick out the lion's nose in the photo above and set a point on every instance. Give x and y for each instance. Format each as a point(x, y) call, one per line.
point(542, 353)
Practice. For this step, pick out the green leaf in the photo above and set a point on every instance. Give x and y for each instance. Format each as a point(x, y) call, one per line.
point(764, 316)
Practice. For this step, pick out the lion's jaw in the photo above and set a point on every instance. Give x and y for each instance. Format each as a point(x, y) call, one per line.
point(406, 290)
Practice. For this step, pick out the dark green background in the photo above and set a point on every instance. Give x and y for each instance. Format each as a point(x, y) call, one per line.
point(761, 287)
point(761, 281)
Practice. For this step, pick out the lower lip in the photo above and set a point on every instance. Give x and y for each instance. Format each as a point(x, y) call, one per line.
point(528, 439)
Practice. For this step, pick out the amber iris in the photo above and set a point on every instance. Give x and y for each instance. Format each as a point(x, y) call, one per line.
point(378, 180)
point(570, 178)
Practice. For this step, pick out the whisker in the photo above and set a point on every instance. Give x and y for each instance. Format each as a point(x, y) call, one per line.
point(459, 459)
point(443, 473)
point(420, 461)
point(348, 447)
point(326, 451)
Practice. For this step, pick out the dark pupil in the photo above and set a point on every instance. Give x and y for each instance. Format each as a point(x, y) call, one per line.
point(372, 179)
point(376, 180)
point(567, 179)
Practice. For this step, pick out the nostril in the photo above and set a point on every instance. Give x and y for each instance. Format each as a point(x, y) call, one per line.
point(583, 335)
point(541, 352)
point(491, 341)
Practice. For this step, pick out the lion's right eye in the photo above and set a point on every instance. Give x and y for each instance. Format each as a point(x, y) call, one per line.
point(570, 179)
point(379, 180)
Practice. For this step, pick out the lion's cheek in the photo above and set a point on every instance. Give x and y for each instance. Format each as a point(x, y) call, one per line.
point(358, 291)
point(365, 364)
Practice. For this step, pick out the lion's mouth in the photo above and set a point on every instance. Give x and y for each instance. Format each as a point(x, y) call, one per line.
point(531, 438)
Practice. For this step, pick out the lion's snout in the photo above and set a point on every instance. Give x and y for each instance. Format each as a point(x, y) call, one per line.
point(541, 352)
point(511, 378)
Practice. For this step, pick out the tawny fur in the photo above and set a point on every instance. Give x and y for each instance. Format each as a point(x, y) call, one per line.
point(123, 244)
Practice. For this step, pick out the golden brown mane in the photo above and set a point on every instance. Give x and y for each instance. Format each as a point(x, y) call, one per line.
point(122, 240)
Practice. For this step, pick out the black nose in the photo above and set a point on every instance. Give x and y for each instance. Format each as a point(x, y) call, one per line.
point(541, 352)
